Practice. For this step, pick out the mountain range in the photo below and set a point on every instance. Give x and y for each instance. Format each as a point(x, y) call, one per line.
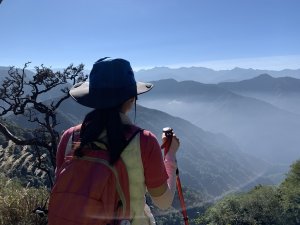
point(205, 75)
point(282, 92)
point(4, 72)
point(260, 128)
point(199, 74)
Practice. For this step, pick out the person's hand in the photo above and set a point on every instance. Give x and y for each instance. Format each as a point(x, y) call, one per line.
point(175, 143)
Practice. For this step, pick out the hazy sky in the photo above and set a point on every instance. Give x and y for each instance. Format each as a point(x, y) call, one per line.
point(214, 33)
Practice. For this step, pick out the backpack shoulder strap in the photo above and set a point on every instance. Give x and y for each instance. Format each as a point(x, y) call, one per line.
point(74, 137)
point(133, 132)
point(76, 133)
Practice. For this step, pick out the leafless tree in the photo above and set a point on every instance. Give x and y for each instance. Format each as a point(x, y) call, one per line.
point(21, 95)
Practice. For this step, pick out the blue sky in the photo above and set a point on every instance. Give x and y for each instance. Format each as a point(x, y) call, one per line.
point(212, 33)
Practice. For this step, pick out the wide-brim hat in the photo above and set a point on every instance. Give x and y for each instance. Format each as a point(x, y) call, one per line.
point(111, 82)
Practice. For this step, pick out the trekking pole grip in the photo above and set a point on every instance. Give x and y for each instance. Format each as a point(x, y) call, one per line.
point(168, 131)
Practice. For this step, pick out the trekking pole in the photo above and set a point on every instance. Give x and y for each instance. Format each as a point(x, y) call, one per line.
point(169, 135)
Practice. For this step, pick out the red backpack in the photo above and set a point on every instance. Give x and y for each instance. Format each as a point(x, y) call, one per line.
point(89, 191)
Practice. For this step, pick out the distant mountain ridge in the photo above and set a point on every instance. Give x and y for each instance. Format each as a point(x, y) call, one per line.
point(205, 75)
point(199, 74)
point(187, 90)
point(283, 92)
point(191, 91)
point(264, 83)
point(4, 72)
point(259, 127)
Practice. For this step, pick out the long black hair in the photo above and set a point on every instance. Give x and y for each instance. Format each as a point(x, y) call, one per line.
point(95, 123)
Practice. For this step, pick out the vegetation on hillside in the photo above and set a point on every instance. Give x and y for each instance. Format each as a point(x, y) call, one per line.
point(21, 162)
point(262, 205)
point(18, 202)
point(196, 203)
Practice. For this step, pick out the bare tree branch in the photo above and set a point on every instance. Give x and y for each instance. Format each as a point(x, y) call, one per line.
point(60, 101)
point(18, 141)
point(23, 95)
point(40, 165)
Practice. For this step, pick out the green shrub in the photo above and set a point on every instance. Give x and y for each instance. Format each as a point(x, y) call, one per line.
point(263, 205)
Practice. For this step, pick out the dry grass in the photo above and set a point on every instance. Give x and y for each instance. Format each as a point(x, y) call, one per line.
point(18, 202)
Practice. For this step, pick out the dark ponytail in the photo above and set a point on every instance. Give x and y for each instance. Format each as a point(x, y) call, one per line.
point(95, 123)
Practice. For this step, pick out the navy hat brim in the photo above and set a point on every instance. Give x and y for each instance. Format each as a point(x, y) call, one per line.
point(103, 98)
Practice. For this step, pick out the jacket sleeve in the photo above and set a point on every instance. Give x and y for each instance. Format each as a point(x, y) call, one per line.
point(154, 168)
